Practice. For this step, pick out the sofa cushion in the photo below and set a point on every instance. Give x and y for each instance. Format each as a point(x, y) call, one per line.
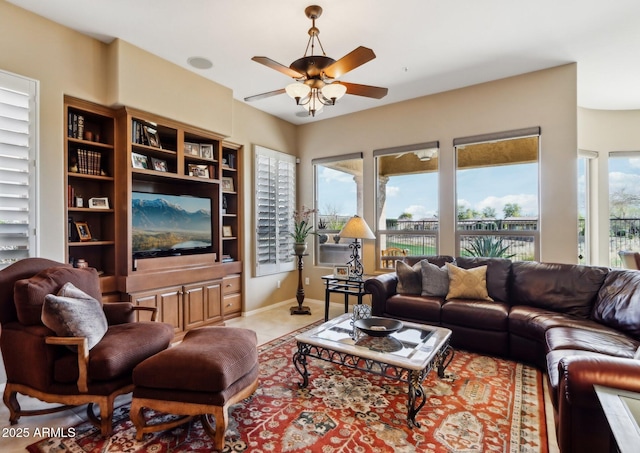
point(423, 309)
point(435, 280)
point(467, 283)
point(618, 302)
point(114, 356)
point(476, 314)
point(29, 293)
point(606, 342)
point(409, 278)
point(498, 274)
point(563, 288)
point(73, 313)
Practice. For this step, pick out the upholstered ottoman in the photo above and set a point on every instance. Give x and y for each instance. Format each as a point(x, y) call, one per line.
point(211, 369)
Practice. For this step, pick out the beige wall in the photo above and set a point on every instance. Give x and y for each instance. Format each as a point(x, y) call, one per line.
point(544, 98)
point(66, 62)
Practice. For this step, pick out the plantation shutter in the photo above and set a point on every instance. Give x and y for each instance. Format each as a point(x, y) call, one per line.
point(17, 168)
point(274, 207)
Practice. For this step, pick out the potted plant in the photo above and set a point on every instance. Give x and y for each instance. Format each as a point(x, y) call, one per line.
point(302, 228)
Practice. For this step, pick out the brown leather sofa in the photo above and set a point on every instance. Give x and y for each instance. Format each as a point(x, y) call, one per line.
point(579, 324)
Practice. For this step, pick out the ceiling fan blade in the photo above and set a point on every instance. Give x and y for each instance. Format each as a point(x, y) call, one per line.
point(257, 97)
point(365, 90)
point(350, 61)
point(286, 70)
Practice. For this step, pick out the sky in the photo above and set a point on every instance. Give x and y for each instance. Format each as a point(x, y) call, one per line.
point(477, 188)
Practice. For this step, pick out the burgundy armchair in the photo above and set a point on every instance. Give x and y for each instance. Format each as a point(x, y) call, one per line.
point(63, 369)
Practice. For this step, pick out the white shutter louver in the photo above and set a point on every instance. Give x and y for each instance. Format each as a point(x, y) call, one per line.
point(274, 206)
point(17, 175)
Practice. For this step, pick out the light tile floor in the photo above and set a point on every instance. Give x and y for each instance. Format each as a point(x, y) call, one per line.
point(268, 324)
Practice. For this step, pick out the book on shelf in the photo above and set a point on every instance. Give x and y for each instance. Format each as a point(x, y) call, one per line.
point(89, 162)
point(76, 125)
point(145, 134)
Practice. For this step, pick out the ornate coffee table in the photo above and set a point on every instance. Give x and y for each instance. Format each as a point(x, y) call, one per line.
point(407, 355)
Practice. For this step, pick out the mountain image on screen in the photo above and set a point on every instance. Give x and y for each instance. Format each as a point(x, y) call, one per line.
point(168, 225)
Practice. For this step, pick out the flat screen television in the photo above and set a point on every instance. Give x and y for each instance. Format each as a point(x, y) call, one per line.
point(170, 225)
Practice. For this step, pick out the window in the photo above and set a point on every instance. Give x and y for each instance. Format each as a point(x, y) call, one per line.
point(407, 201)
point(584, 205)
point(497, 195)
point(275, 182)
point(624, 204)
point(338, 197)
point(18, 139)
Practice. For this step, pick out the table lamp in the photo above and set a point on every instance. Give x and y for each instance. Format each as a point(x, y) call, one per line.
point(356, 228)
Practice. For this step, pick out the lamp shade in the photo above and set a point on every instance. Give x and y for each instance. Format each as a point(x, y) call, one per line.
point(297, 90)
point(334, 91)
point(357, 228)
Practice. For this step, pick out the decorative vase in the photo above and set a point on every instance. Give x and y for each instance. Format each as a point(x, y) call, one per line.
point(336, 238)
point(323, 238)
point(300, 248)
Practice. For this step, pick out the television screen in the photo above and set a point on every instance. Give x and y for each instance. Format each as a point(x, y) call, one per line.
point(167, 225)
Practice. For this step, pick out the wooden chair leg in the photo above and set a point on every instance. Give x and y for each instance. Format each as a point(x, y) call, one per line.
point(10, 399)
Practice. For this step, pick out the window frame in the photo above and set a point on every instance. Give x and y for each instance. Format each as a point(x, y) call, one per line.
point(534, 235)
point(23, 171)
point(433, 234)
point(283, 196)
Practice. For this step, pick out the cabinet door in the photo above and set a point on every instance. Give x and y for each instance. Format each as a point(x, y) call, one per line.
point(170, 302)
point(146, 299)
point(213, 293)
point(194, 306)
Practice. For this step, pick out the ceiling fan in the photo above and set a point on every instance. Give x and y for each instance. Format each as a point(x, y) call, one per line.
point(316, 76)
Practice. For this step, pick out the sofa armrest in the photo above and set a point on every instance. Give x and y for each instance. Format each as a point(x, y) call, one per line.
point(83, 357)
point(381, 287)
point(125, 312)
point(578, 375)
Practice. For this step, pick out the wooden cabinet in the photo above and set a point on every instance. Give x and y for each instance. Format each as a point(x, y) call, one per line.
point(232, 295)
point(184, 307)
point(115, 158)
point(90, 177)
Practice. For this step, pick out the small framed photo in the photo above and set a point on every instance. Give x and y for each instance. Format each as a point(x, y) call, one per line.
point(83, 231)
point(139, 161)
point(206, 151)
point(99, 203)
point(201, 171)
point(341, 272)
point(227, 231)
point(152, 136)
point(159, 164)
point(192, 149)
point(227, 184)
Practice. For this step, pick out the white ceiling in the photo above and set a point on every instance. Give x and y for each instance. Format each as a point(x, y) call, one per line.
point(422, 46)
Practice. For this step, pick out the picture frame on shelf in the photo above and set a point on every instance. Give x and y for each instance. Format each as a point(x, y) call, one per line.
point(227, 232)
point(99, 203)
point(192, 149)
point(206, 151)
point(201, 171)
point(153, 139)
point(227, 184)
point(84, 234)
point(139, 161)
point(159, 164)
point(341, 272)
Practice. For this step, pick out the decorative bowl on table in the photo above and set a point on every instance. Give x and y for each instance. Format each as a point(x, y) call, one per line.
point(378, 327)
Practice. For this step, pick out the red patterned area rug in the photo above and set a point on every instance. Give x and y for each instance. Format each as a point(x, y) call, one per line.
point(487, 405)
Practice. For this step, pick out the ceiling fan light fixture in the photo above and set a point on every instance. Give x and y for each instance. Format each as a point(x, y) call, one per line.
point(334, 91)
point(297, 91)
point(426, 154)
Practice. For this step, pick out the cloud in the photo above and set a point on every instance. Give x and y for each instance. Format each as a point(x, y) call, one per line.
point(527, 202)
point(419, 212)
point(634, 162)
point(328, 175)
point(392, 191)
point(628, 182)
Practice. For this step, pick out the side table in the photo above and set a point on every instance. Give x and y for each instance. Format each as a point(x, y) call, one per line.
point(348, 287)
point(300, 309)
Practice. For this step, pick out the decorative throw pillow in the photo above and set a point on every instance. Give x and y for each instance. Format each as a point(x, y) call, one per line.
point(73, 313)
point(435, 280)
point(409, 278)
point(467, 283)
point(29, 293)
